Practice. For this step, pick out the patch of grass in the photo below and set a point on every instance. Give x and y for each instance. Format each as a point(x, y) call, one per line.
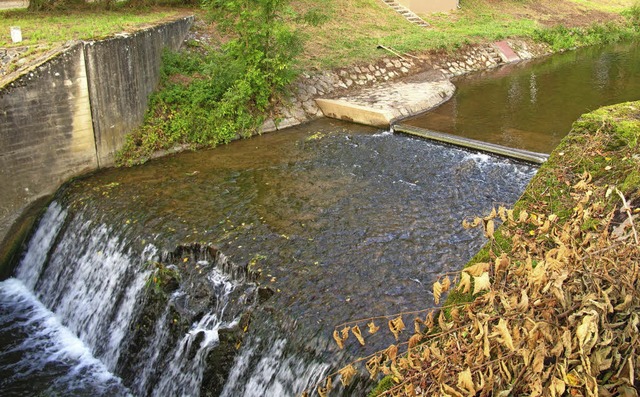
point(356, 27)
point(562, 38)
point(47, 28)
point(606, 5)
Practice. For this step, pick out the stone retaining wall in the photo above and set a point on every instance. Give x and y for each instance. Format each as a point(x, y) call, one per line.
point(338, 82)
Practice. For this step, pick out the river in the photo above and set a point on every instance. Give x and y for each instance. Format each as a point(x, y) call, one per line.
point(264, 245)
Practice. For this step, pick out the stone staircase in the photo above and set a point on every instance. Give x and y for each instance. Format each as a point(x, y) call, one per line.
point(406, 13)
point(494, 55)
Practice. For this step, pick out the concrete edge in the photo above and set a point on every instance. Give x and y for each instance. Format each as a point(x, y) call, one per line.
point(343, 110)
point(492, 148)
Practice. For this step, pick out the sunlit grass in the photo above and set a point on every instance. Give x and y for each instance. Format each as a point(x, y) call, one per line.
point(357, 27)
point(607, 5)
point(43, 28)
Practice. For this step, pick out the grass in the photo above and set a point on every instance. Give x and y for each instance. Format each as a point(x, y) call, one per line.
point(356, 27)
point(353, 32)
point(605, 5)
point(50, 28)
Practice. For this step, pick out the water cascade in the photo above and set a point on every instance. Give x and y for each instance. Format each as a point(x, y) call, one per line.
point(121, 291)
point(80, 298)
point(137, 307)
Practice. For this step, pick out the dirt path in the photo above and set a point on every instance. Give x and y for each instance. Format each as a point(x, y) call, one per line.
point(5, 5)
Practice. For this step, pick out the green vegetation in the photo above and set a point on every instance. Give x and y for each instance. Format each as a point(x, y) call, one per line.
point(163, 280)
point(562, 38)
point(50, 28)
point(358, 26)
point(211, 96)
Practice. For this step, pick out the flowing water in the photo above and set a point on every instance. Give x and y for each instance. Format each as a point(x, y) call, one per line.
point(531, 105)
point(223, 272)
point(338, 221)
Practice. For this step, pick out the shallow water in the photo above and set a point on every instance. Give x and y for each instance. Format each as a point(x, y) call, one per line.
point(531, 105)
point(342, 221)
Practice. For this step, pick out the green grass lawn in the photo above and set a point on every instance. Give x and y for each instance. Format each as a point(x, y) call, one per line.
point(50, 28)
point(356, 27)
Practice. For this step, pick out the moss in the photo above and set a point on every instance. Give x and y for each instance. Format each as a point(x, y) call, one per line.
point(631, 181)
point(385, 384)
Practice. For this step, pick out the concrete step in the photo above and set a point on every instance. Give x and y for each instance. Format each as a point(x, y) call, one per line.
point(406, 13)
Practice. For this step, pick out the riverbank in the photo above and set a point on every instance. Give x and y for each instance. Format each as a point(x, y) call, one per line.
point(431, 65)
point(552, 301)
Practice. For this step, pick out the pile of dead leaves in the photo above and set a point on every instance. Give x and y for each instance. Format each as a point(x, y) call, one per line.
point(558, 314)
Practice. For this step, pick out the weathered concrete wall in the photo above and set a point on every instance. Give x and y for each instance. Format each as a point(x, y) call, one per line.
point(123, 71)
point(69, 115)
point(46, 134)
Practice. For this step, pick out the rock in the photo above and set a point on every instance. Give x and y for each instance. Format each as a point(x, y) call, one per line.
point(220, 359)
point(268, 126)
point(264, 294)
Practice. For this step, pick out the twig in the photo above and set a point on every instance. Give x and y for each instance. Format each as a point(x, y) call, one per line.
point(627, 209)
point(391, 51)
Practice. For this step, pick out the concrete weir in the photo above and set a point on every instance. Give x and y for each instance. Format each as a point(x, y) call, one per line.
point(518, 154)
point(381, 105)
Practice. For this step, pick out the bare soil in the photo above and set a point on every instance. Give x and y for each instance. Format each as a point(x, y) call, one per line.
point(566, 13)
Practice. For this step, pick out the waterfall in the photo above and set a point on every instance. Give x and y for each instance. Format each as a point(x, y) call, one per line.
point(267, 367)
point(90, 280)
point(43, 355)
point(184, 373)
point(77, 303)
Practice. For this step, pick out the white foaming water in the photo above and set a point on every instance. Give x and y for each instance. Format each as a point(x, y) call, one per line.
point(184, 373)
point(273, 372)
point(383, 133)
point(91, 280)
point(47, 345)
point(151, 353)
point(41, 244)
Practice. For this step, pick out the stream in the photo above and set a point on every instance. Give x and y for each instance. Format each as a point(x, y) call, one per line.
point(224, 271)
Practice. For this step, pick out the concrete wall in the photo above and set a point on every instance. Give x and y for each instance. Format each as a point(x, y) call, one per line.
point(69, 115)
point(46, 134)
point(427, 6)
point(123, 71)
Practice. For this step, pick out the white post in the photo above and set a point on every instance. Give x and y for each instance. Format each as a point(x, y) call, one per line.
point(16, 34)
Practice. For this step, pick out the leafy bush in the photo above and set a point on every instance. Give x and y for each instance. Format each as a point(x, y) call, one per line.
point(209, 97)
